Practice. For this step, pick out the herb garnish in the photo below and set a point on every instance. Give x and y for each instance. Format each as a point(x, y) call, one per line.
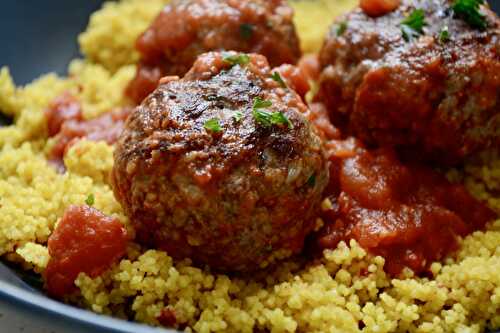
point(311, 182)
point(90, 200)
point(213, 125)
point(238, 116)
point(413, 25)
point(277, 77)
point(341, 28)
point(246, 30)
point(237, 59)
point(444, 35)
point(468, 10)
point(268, 119)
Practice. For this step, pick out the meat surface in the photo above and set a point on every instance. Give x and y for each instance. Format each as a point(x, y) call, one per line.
point(84, 241)
point(186, 29)
point(436, 95)
point(222, 166)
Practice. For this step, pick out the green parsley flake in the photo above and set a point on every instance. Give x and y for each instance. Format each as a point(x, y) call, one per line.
point(90, 200)
point(238, 116)
point(213, 125)
point(268, 119)
point(311, 182)
point(469, 11)
point(413, 25)
point(341, 28)
point(246, 30)
point(237, 59)
point(259, 103)
point(277, 77)
point(444, 35)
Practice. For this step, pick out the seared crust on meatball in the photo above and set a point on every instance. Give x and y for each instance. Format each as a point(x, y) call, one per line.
point(432, 96)
point(187, 28)
point(201, 177)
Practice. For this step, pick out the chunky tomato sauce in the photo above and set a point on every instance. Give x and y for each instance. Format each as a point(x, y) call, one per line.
point(310, 66)
point(295, 78)
point(62, 109)
point(408, 214)
point(66, 125)
point(84, 241)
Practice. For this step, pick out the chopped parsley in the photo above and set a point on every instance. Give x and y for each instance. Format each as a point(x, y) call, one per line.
point(444, 35)
point(259, 103)
point(341, 28)
point(213, 125)
point(468, 10)
point(268, 119)
point(413, 25)
point(90, 200)
point(277, 77)
point(237, 59)
point(238, 116)
point(246, 30)
point(311, 182)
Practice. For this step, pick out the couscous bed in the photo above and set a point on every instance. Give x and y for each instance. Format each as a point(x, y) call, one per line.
point(345, 290)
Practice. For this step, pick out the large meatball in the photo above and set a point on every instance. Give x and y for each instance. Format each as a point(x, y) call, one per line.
point(187, 28)
point(434, 94)
point(222, 166)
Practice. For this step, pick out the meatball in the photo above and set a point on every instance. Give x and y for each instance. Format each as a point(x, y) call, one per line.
point(434, 94)
point(186, 29)
point(222, 166)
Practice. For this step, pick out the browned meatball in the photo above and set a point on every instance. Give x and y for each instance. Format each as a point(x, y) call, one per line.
point(222, 165)
point(436, 95)
point(188, 28)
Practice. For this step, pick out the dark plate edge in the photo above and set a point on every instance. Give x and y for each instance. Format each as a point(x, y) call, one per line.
point(46, 307)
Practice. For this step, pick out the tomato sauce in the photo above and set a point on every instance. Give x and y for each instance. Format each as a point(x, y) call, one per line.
point(409, 214)
point(406, 212)
point(84, 241)
point(62, 109)
point(66, 124)
point(295, 79)
point(310, 66)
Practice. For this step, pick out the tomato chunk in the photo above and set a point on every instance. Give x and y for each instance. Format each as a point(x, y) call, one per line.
point(84, 241)
point(376, 8)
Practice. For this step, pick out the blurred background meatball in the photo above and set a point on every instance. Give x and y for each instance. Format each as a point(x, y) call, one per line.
point(424, 78)
point(222, 166)
point(188, 28)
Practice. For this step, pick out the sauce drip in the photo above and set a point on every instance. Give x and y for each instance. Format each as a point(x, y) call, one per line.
point(66, 124)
